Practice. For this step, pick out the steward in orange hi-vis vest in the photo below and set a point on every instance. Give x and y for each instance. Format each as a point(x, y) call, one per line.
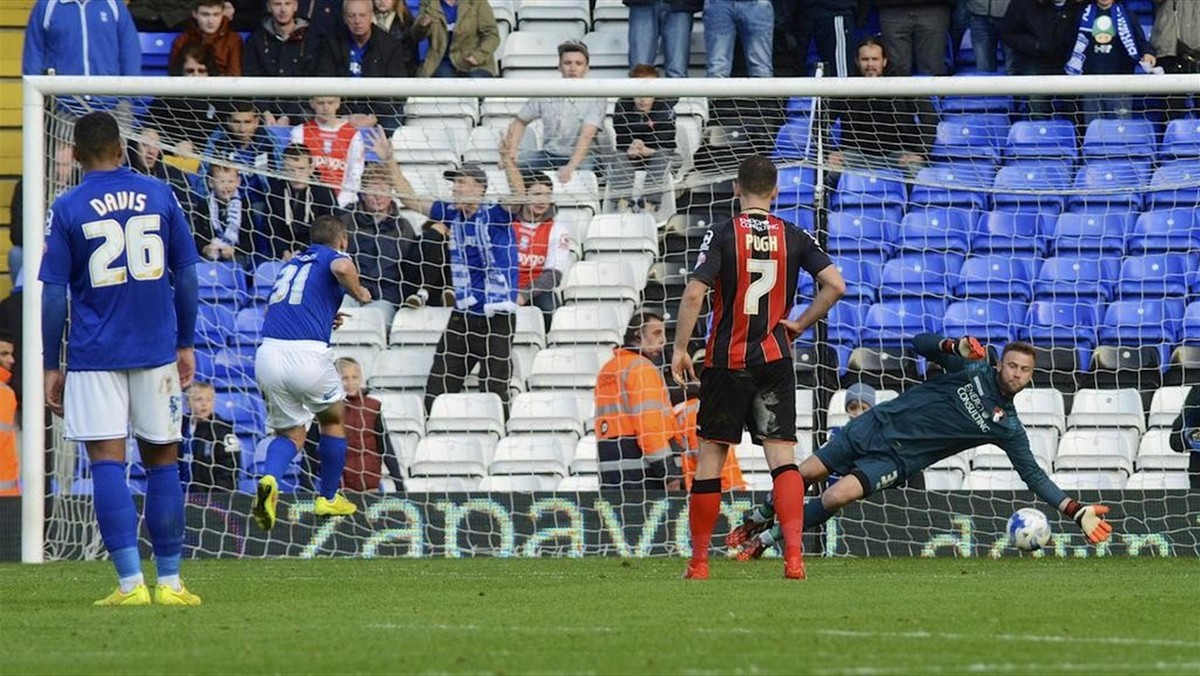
point(637, 438)
point(731, 473)
point(10, 466)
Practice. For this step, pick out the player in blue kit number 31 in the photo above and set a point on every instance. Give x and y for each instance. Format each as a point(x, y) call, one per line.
point(295, 366)
point(122, 244)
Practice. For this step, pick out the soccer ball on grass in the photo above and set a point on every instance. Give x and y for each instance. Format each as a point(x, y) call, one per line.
point(1028, 529)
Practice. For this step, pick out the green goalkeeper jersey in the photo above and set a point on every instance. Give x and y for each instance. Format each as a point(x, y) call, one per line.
point(957, 410)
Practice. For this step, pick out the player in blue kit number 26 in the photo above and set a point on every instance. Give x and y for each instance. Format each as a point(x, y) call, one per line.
point(295, 366)
point(121, 243)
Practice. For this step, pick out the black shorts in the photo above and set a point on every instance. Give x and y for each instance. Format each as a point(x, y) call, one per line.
point(761, 399)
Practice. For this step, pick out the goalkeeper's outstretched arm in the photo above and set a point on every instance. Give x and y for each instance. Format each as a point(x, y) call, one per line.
point(952, 354)
point(1089, 517)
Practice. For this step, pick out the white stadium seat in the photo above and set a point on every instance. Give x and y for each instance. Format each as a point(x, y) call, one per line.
point(837, 405)
point(993, 480)
point(531, 50)
point(466, 108)
point(1041, 407)
point(545, 411)
point(1154, 452)
point(589, 324)
point(530, 328)
point(453, 455)
point(805, 403)
point(990, 456)
point(609, 52)
point(587, 483)
point(442, 484)
point(405, 446)
point(403, 368)
point(1103, 480)
point(943, 480)
point(1097, 449)
point(1043, 441)
point(361, 326)
point(614, 11)
point(419, 326)
point(518, 483)
point(1166, 405)
point(1157, 481)
point(415, 145)
point(621, 234)
point(586, 459)
point(403, 412)
point(602, 280)
point(1107, 408)
point(483, 147)
point(466, 413)
point(532, 454)
point(566, 368)
point(959, 462)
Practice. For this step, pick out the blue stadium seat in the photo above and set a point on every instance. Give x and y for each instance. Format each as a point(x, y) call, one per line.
point(799, 106)
point(950, 185)
point(1155, 275)
point(1110, 184)
point(1141, 322)
point(1060, 323)
point(1010, 232)
point(1191, 323)
point(857, 231)
point(246, 412)
point(1119, 138)
point(204, 364)
point(965, 138)
point(919, 274)
point(870, 190)
point(220, 282)
point(248, 325)
point(1175, 185)
point(1038, 187)
point(861, 274)
point(796, 186)
point(794, 140)
point(156, 52)
point(894, 323)
point(214, 325)
point(974, 105)
point(1176, 230)
point(845, 321)
point(799, 214)
point(233, 369)
point(936, 230)
point(1182, 139)
point(991, 321)
point(264, 279)
point(1000, 276)
point(1084, 278)
point(1093, 232)
point(1041, 139)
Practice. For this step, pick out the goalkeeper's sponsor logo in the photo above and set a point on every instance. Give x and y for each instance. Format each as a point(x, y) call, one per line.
point(974, 405)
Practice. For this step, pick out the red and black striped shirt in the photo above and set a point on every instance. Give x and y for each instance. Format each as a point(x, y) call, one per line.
point(752, 263)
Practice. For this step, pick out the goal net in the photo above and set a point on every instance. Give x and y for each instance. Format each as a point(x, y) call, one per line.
point(1003, 208)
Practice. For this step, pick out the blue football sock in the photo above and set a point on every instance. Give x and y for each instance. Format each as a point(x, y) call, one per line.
point(333, 460)
point(815, 513)
point(164, 517)
point(280, 452)
point(117, 517)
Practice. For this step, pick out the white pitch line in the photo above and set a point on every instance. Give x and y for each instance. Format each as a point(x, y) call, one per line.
point(1028, 667)
point(1107, 640)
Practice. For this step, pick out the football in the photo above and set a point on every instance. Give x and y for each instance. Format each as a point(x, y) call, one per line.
point(1028, 529)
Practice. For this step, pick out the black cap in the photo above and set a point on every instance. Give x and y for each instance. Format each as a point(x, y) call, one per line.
point(470, 170)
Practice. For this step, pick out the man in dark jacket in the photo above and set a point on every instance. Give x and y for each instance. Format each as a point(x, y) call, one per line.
point(382, 243)
point(914, 32)
point(1185, 435)
point(829, 22)
point(294, 202)
point(667, 20)
point(362, 50)
point(1041, 34)
point(283, 45)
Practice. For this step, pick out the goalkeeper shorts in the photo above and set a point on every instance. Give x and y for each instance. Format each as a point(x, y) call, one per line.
point(860, 450)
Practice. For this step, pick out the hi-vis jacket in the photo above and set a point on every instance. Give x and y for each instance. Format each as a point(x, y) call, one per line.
point(632, 403)
point(685, 418)
point(10, 467)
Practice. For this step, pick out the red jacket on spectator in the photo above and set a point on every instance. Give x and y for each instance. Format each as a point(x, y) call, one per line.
point(225, 45)
point(365, 444)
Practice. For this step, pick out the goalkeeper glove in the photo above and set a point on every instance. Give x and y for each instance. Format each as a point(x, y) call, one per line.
point(1091, 520)
point(966, 347)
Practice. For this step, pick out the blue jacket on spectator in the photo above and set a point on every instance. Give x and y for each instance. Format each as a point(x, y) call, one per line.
point(81, 37)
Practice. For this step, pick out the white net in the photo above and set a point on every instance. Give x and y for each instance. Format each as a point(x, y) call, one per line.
point(982, 215)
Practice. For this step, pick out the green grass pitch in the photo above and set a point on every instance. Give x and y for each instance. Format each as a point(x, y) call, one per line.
point(854, 616)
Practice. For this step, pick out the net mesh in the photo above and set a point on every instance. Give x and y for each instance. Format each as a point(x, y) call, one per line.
point(1001, 217)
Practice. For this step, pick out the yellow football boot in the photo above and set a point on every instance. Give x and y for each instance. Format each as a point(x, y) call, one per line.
point(165, 595)
point(265, 502)
point(139, 596)
point(338, 506)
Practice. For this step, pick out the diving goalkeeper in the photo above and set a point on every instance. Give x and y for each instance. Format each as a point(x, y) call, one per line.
point(969, 405)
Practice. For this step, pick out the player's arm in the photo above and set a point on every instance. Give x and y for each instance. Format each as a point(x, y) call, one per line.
point(707, 270)
point(54, 323)
point(347, 275)
point(1089, 517)
point(952, 354)
point(187, 306)
point(832, 288)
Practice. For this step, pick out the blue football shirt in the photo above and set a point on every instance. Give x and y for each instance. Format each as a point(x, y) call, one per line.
point(490, 227)
point(113, 240)
point(306, 297)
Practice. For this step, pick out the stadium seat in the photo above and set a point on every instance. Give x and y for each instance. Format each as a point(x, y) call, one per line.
point(966, 138)
point(1107, 408)
point(248, 325)
point(403, 368)
point(220, 282)
point(1154, 453)
point(919, 274)
point(214, 325)
point(1041, 407)
point(894, 323)
point(1166, 405)
point(793, 140)
point(245, 411)
point(621, 234)
point(1059, 364)
point(233, 369)
point(887, 365)
point(1182, 139)
point(1157, 481)
point(466, 413)
point(559, 16)
point(452, 455)
point(876, 190)
point(156, 51)
point(1155, 275)
point(546, 412)
point(959, 463)
point(566, 368)
point(519, 483)
point(532, 454)
point(936, 230)
point(1074, 480)
point(589, 324)
point(1119, 138)
point(861, 274)
point(1090, 233)
point(943, 480)
point(995, 276)
point(589, 483)
point(845, 320)
point(1168, 230)
point(1135, 322)
point(419, 326)
point(1004, 232)
point(526, 52)
point(750, 457)
point(440, 485)
point(602, 280)
point(991, 321)
point(586, 460)
point(974, 105)
point(530, 327)
point(204, 364)
point(1175, 185)
point(1065, 322)
point(991, 457)
point(1101, 185)
point(1083, 278)
point(264, 280)
point(796, 186)
point(856, 231)
point(953, 185)
point(1038, 187)
point(403, 412)
point(993, 480)
point(466, 108)
point(1097, 449)
point(1041, 139)
point(361, 326)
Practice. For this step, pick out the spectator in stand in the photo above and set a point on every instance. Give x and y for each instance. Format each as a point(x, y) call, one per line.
point(362, 50)
point(569, 125)
point(81, 37)
point(368, 448)
point(294, 202)
point(144, 155)
point(324, 16)
point(463, 38)
point(210, 27)
point(483, 265)
point(1175, 39)
point(668, 22)
point(10, 465)
point(543, 244)
point(1109, 42)
point(751, 22)
point(914, 32)
point(828, 22)
point(985, 19)
point(221, 223)
point(11, 322)
point(184, 121)
point(645, 130)
point(241, 141)
point(335, 145)
point(210, 441)
point(395, 18)
point(1041, 35)
point(161, 16)
point(685, 418)
point(282, 46)
point(66, 175)
point(882, 133)
point(1185, 435)
point(435, 287)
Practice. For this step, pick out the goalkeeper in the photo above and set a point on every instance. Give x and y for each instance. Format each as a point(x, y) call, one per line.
point(971, 404)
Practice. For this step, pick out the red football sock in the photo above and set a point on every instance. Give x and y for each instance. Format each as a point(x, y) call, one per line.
point(789, 508)
point(704, 506)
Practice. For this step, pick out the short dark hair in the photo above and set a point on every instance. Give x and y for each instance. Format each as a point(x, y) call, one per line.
point(757, 175)
point(574, 46)
point(326, 230)
point(97, 137)
point(633, 332)
point(532, 178)
point(870, 41)
point(198, 53)
point(1020, 347)
point(208, 3)
point(297, 150)
point(643, 70)
point(240, 106)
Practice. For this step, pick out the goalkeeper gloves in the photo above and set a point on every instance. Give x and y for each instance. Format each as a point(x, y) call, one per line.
point(966, 347)
point(1091, 520)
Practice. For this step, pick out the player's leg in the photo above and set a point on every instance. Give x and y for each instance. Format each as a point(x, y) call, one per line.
point(331, 448)
point(773, 422)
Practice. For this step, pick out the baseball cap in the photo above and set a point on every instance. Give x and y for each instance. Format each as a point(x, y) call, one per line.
point(470, 170)
point(861, 392)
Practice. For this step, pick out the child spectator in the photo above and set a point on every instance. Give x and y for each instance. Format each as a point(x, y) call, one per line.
point(210, 442)
point(645, 130)
point(243, 142)
point(221, 224)
point(368, 448)
point(543, 245)
point(294, 202)
point(1109, 42)
point(336, 148)
point(463, 38)
point(209, 27)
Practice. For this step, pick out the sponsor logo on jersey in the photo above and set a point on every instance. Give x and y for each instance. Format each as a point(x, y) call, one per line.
point(973, 403)
point(997, 414)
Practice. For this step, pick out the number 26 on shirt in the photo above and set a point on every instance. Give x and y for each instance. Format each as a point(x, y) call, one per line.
point(139, 239)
